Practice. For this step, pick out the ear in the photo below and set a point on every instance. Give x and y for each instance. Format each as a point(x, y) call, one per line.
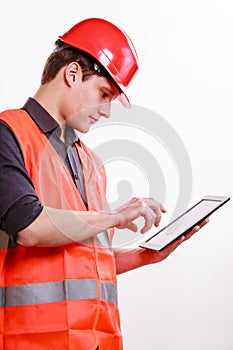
point(72, 73)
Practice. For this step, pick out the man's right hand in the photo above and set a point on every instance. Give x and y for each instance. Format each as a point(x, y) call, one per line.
point(148, 208)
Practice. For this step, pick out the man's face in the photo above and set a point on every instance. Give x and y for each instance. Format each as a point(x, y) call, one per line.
point(88, 101)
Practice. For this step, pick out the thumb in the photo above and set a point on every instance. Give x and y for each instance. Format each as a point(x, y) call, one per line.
point(132, 227)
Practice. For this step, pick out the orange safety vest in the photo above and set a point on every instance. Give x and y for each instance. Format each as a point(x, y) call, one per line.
point(58, 297)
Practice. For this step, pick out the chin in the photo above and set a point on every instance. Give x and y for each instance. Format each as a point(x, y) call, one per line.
point(82, 130)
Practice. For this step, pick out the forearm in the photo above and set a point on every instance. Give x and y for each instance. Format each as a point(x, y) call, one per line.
point(55, 227)
point(59, 227)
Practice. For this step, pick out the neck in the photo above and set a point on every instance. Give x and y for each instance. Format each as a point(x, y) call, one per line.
point(49, 97)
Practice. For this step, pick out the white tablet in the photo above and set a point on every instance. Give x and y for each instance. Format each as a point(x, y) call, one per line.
point(185, 222)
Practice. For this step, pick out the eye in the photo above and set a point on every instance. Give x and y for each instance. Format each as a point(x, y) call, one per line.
point(104, 94)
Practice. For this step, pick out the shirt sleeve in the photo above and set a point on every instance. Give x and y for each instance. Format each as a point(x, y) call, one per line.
point(19, 203)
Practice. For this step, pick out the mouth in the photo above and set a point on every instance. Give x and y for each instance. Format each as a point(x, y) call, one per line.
point(93, 119)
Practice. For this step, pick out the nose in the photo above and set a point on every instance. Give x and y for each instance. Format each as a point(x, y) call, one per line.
point(104, 110)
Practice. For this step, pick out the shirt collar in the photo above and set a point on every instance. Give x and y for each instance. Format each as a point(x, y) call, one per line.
point(46, 122)
point(40, 116)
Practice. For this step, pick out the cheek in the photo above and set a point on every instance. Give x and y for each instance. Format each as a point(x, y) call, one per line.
point(90, 96)
point(82, 102)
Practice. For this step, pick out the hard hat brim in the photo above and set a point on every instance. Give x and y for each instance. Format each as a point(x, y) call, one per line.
point(123, 99)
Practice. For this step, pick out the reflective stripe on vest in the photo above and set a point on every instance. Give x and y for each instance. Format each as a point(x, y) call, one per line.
point(51, 292)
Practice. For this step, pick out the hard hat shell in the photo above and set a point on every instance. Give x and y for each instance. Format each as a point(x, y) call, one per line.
point(110, 46)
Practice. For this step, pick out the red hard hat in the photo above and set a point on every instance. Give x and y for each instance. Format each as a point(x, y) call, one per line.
point(110, 46)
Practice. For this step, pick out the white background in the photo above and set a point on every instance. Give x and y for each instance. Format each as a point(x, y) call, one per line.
point(186, 75)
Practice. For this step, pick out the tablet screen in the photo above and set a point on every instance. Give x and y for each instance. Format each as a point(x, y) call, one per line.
point(185, 222)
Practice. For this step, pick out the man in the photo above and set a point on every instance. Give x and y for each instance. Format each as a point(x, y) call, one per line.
point(58, 283)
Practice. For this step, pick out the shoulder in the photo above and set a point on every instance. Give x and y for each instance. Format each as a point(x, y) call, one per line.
point(7, 133)
point(9, 144)
point(10, 122)
point(14, 118)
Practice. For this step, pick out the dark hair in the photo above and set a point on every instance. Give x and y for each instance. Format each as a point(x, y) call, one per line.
point(65, 54)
